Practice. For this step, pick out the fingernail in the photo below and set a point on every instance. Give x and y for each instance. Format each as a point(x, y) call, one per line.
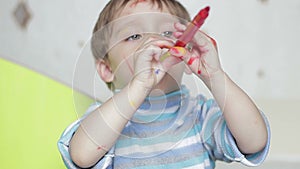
point(177, 51)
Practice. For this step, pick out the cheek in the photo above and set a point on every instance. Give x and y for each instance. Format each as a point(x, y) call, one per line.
point(122, 68)
point(121, 56)
point(121, 62)
point(121, 50)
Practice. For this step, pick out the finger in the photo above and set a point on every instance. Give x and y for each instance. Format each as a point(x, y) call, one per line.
point(177, 35)
point(169, 62)
point(161, 43)
point(213, 41)
point(152, 52)
point(143, 57)
point(159, 47)
point(164, 45)
point(179, 27)
point(150, 38)
point(202, 40)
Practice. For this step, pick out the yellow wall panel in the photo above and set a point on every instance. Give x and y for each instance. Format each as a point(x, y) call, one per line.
point(34, 111)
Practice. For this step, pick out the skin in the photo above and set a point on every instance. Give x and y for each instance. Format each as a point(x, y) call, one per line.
point(140, 73)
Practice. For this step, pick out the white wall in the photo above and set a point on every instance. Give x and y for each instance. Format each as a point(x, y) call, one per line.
point(258, 46)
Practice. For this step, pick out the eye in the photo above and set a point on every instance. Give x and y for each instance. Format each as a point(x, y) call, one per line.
point(134, 37)
point(167, 33)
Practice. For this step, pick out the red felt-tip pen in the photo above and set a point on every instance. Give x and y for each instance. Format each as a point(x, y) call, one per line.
point(191, 30)
point(193, 27)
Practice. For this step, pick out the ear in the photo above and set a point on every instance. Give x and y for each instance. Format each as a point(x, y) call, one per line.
point(104, 70)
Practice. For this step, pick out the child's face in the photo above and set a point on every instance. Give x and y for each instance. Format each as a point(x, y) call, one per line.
point(136, 29)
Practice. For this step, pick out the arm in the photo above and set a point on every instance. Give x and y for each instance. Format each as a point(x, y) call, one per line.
point(242, 116)
point(99, 131)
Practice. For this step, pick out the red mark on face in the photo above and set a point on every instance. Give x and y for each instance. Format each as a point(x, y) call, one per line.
point(199, 72)
point(136, 2)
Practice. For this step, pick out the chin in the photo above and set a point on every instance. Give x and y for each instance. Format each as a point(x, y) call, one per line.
point(168, 84)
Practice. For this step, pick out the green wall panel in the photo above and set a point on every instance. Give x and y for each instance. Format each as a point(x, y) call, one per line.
point(34, 111)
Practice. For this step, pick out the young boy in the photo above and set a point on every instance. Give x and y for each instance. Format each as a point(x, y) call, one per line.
point(153, 122)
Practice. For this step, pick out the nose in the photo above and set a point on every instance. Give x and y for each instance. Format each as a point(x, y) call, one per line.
point(154, 36)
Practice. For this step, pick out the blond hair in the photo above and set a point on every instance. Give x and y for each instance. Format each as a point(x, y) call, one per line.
point(113, 8)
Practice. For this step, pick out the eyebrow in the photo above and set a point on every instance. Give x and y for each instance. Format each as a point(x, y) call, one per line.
point(123, 27)
point(132, 22)
point(121, 22)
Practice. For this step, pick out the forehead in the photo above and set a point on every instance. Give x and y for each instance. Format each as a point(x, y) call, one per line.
point(143, 13)
point(142, 6)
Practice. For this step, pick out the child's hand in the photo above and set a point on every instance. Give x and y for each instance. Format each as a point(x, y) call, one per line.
point(147, 67)
point(203, 59)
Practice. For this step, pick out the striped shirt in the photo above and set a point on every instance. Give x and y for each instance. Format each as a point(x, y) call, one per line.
point(171, 131)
